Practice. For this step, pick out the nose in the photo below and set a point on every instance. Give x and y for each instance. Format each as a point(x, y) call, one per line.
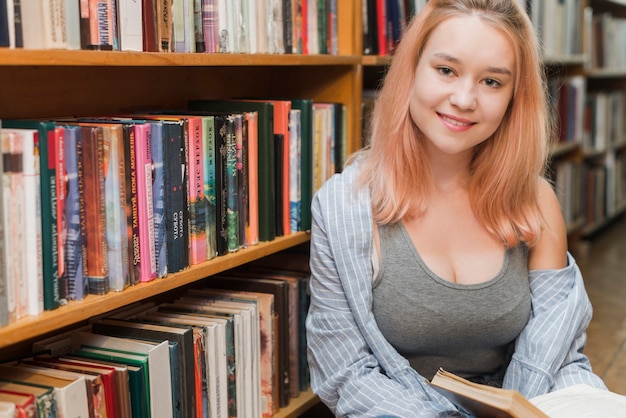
point(464, 96)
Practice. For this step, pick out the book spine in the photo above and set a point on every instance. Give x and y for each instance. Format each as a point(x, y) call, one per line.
point(210, 26)
point(17, 231)
point(81, 282)
point(209, 185)
point(33, 274)
point(244, 203)
point(195, 189)
point(4, 286)
point(61, 193)
point(232, 202)
point(221, 191)
point(252, 233)
point(116, 209)
point(174, 196)
point(294, 170)
point(158, 198)
point(7, 249)
point(144, 202)
point(287, 23)
point(49, 227)
point(95, 210)
point(132, 210)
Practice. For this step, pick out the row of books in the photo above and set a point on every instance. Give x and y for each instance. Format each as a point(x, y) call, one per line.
point(607, 35)
point(591, 192)
point(93, 205)
point(213, 26)
point(557, 23)
point(384, 22)
point(232, 347)
point(604, 125)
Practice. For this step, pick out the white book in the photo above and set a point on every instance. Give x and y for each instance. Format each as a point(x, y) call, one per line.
point(7, 225)
point(158, 365)
point(311, 27)
point(7, 410)
point(250, 15)
point(129, 15)
point(43, 24)
point(261, 33)
point(71, 393)
point(72, 24)
point(275, 27)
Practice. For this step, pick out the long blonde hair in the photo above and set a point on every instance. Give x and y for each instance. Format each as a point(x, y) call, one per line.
point(505, 169)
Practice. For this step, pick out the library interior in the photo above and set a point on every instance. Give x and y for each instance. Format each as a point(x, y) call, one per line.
point(159, 159)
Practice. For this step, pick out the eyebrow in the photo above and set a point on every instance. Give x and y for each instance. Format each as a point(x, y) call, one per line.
point(496, 70)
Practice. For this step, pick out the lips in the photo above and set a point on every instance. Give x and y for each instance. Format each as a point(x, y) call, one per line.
point(457, 122)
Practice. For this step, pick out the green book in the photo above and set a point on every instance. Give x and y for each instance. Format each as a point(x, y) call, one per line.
point(138, 375)
point(267, 172)
point(45, 396)
point(49, 226)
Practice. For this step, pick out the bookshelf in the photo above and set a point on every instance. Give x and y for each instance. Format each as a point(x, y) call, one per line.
point(59, 83)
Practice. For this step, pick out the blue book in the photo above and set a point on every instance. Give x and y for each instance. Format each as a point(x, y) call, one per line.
point(75, 238)
point(158, 196)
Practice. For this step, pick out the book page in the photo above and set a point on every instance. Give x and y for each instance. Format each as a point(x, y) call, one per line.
point(581, 401)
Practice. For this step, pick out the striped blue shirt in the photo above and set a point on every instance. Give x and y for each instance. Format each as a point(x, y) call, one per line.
point(357, 373)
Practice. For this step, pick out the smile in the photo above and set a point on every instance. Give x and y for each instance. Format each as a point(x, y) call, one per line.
point(455, 122)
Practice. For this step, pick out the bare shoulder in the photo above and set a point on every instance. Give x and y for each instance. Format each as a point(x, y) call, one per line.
point(551, 249)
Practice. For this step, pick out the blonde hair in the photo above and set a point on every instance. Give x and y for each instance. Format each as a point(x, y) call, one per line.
point(505, 169)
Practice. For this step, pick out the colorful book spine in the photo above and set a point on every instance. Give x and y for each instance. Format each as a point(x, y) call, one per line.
point(208, 131)
point(132, 209)
point(295, 172)
point(158, 197)
point(175, 195)
point(115, 196)
point(72, 226)
point(232, 200)
point(93, 178)
point(210, 26)
point(33, 274)
point(221, 191)
point(145, 206)
point(244, 202)
point(61, 193)
point(195, 189)
point(252, 233)
point(48, 205)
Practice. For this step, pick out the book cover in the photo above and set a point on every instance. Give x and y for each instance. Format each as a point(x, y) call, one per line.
point(92, 176)
point(221, 182)
point(143, 155)
point(244, 183)
point(265, 161)
point(131, 204)
point(131, 24)
point(280, 291)
point(17, 223)
point(70, 393)
point(252, 221)
point(77, 286)
point(96, 396)
point(158, 197)
point(59, 153)
point(115, 201)
point(175, 195)
point(45, 399)
point(49, 232)
point(306, 159)
point(295, 171)
point(195, 189)
point(233, 136)
point(22, 404)
point(210, 26)
point(32, 268)
point(122, 328)
point(208, 143)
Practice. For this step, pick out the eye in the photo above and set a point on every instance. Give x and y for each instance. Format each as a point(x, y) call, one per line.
point(445, 71)
point(490, 82)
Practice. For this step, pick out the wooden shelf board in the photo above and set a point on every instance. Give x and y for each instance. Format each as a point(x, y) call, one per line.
point(298, 405)
point(25, 57)
point(93, 305)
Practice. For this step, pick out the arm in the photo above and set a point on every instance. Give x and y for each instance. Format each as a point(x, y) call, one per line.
point(353, 369)
point(549, 352)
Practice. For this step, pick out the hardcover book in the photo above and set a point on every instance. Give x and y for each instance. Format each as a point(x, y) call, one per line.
point(61, 193)
point(252, 221)
point(208, 147)
point(21, 405)
point(306, 159)
point(45, 398)
point(91, 175)
point(158, 197)
point(49, 232)
point(4, 254)
point(265, 161)
point(77, 286)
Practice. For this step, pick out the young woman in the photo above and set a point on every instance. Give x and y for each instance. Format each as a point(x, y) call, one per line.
point(441, 245)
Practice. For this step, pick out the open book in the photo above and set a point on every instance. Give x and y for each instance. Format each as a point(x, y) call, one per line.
point(486, 401)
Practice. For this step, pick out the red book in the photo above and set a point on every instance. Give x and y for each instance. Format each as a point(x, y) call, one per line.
point(61, 178)
point(381, 22)
point(24, 403)
point(252, 225)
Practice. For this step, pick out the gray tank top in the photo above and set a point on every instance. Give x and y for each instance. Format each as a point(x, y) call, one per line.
point(465, 329)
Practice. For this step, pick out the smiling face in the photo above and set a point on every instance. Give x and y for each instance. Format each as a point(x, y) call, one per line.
point(463, 85)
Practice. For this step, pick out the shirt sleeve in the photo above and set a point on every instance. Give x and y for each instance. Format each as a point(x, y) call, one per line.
point(549, 351)
point(344, 354)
